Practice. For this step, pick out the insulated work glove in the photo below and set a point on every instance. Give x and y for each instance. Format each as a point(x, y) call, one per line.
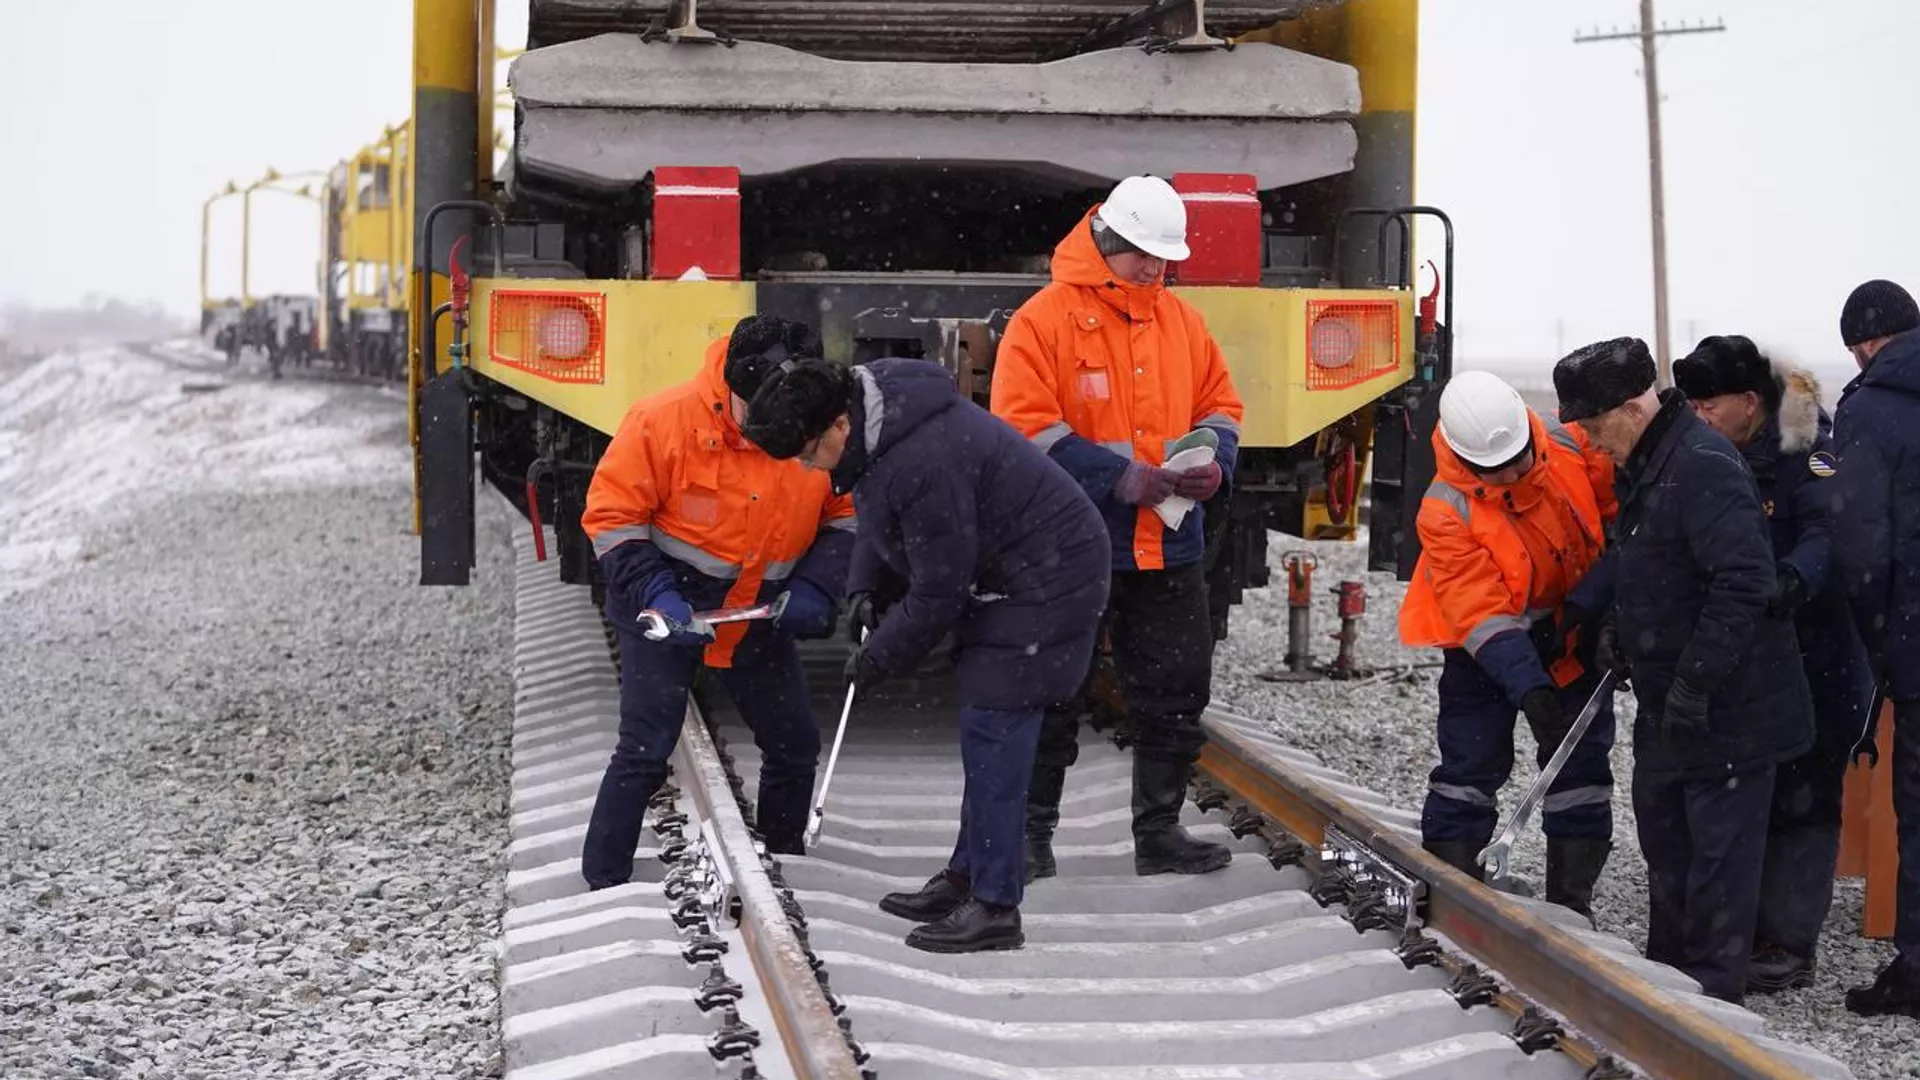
point(865, 609)
point(1545, 716)
point(809, 612)
point(1686, 709)
point(1608, 657)
point(1789, 593)
point(1145, 485)
point(863, 673)
point(1198, 483)
point(679, 614)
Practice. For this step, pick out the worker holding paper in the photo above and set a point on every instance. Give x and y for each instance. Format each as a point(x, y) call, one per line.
point(1118, 380)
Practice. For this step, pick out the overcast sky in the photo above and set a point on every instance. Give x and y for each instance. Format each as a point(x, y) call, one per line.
point(1789, 158)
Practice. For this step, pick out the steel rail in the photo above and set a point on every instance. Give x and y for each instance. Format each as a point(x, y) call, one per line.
point(1602, 1000)
point(808, 1029)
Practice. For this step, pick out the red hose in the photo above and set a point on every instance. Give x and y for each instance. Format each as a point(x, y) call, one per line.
point(533, 515)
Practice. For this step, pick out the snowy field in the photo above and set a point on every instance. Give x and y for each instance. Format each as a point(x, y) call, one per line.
point(252, 776)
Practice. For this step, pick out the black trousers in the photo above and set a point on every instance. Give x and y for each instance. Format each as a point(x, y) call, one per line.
point(1704, 841)
point(1163, 654)
point(1906, 811)
point(1803, 845)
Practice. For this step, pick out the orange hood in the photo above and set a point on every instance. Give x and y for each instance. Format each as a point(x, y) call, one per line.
point(1077, 262)
point(719, 398)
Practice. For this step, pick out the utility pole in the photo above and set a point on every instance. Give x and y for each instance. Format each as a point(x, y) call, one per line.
point(1648, 34)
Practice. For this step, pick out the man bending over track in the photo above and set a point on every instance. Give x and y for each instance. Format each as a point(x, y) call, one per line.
point(969, 529)
point(685, 513)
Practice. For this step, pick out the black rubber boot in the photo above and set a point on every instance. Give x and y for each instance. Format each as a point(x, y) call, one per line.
point(975, 926)
point(1895, 992)
point(937, 899)
point(1160, 845)
point(1043, 813)
point(1573, 867)
point(1772, 969)
point(1458, 854)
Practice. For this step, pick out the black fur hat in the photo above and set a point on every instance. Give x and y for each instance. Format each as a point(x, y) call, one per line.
point(1601, 377)
point(1728, 364)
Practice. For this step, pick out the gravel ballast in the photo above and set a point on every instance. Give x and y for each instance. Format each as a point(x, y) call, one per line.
point(1381, 731)
point(252, 776)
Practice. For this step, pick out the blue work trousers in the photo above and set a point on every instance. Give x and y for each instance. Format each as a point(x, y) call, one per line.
point(996, 750)
point(768, 686)
point(1476, 757)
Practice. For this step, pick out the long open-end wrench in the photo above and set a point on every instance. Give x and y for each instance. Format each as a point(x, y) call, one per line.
point(819, 817)
point(658, 626)
point(1495, 855)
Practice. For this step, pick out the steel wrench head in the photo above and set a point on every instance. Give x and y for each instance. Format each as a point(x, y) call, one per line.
point(1494, 857)
point(658, 626)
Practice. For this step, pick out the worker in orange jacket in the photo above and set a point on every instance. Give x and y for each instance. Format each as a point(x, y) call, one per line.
point(1513, 522)
point(684, 514)
point(1110, 374)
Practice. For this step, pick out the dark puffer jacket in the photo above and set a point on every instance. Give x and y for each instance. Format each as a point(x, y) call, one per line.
point(1793, 467)
point(979, 533)
point(1692, 572)
point(1877, 548)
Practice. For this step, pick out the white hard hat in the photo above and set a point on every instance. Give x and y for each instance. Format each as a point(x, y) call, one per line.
point(1483, 419)
point(1148, 213)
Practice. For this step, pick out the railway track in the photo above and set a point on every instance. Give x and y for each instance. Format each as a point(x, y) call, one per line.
point(1332, 946)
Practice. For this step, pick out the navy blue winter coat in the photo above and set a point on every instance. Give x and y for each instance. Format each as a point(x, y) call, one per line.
point(979, 534)
point(1877, 546)
point(1792, 461)
point(1692, 572)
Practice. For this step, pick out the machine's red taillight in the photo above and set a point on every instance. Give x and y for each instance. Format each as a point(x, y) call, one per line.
point(1351, 341)
point(560, 336)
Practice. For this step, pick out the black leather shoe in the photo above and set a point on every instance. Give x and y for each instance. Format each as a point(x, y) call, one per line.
point(937, 899)
point(1773, 968)
point(974, 926)
point(1894, 992)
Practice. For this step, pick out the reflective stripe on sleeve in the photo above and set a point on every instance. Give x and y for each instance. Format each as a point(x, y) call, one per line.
point(1047, 436)
point(613, 538)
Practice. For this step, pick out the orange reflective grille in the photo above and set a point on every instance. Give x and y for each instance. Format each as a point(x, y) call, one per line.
point(1351, 341)
point(560, 336)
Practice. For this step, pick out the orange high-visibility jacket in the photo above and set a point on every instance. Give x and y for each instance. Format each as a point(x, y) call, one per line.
point(681, 476)
point(1496, 558)
point(1099, 373)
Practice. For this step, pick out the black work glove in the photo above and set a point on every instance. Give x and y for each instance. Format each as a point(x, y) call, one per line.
point(1867, 748)
point(1608, 657)
point(1686, 708)
point(864, 612)
point(1789, 592)
point(1545, 716)
point(863, 673)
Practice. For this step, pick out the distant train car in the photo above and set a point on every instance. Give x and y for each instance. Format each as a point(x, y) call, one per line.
point(366, 244)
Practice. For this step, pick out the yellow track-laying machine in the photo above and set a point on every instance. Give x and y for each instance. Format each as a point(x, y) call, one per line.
point(897, 172)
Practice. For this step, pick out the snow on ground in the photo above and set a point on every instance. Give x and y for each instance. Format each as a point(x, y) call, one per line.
point(252, 776)
point(92, 437)
point(1381, 731)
